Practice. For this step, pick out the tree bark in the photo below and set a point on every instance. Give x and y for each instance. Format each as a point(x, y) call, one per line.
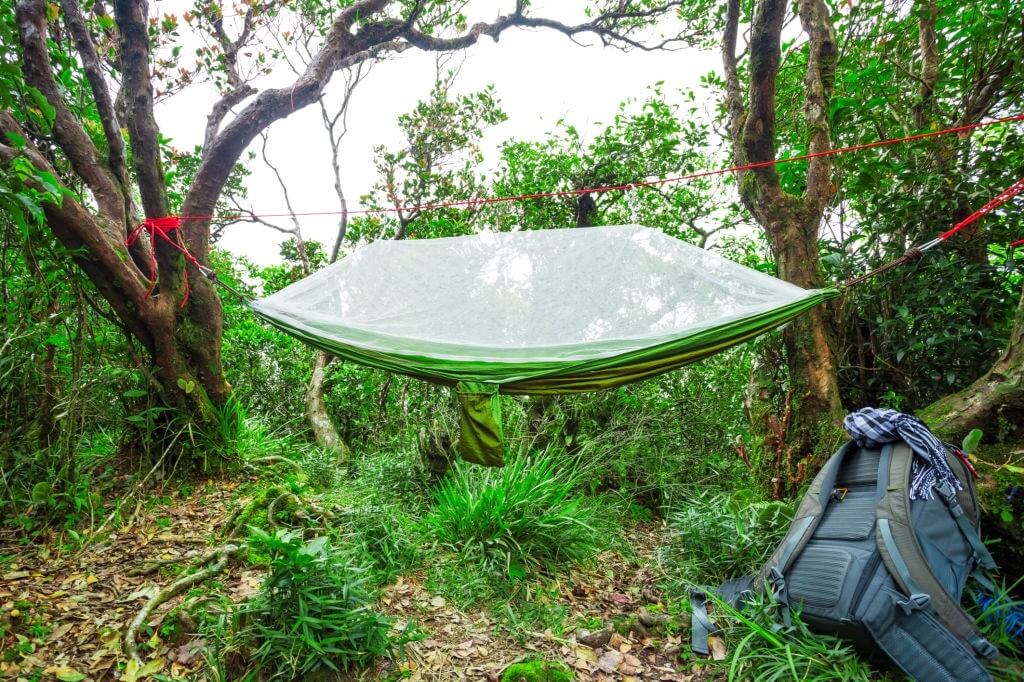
point(809, 429)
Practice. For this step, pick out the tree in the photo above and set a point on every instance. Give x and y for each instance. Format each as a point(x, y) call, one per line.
point(913, 334)
point(791, 217)
point(120, 180)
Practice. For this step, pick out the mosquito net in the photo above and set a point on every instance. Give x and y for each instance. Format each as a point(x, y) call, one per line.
point(547, 311)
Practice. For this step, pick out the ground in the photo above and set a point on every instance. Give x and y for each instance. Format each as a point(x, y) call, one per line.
point(64, 609)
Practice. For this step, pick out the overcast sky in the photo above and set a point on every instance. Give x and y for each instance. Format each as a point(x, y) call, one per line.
point(539, 76)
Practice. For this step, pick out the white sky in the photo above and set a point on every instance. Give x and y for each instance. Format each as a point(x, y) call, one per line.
point(539, 77)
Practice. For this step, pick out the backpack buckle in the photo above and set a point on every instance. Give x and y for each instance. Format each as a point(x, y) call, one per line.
point(839, 494)
point(916, 602)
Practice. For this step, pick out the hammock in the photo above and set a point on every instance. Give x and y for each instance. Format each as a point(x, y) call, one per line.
point(532, 312)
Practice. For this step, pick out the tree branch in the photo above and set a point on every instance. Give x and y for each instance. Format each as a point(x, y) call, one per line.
point(758, 137)
point(75, 22)
point(820, 78)
point(67, 130)
point(119, 282)
point(137, 88)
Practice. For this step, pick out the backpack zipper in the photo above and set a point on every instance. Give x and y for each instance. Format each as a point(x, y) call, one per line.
point(865, 580)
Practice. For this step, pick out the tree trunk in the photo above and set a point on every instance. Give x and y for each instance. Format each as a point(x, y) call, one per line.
point(326, 435)
point(994, 403)
point(808, 429)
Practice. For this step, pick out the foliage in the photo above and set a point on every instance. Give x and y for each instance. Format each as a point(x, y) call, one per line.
point(1000, 617)
point(716, 536)
point(524, 518)
point(312, 615)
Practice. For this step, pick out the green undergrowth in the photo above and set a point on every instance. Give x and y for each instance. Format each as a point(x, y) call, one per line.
point(526, 518)
point(715, 535)
point(758, 650)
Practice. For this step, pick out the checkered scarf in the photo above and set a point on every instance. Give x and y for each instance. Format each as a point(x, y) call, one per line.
point(871, 427)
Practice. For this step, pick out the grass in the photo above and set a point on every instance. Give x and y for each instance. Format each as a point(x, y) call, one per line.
point(718, 535)
point(521, 520)
point(758, 650)
point(313, 615)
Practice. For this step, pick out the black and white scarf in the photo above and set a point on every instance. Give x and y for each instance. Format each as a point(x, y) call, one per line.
point(871, 427)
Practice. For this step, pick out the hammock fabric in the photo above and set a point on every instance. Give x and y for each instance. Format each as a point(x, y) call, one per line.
point(532, 312)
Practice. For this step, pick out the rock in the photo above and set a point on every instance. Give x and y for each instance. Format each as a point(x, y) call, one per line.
point(652, 620)
point(594, 640)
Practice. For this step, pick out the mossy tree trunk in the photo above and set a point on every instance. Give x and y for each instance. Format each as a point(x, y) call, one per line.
point(799, 438)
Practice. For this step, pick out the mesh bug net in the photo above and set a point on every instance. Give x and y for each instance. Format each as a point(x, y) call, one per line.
point(539, 312)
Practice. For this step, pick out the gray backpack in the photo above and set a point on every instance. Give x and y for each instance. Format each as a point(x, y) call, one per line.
point(867, 563)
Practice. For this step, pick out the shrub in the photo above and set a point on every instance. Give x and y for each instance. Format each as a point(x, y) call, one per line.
point(518, 519)
point(716, 536)
point(312, 615)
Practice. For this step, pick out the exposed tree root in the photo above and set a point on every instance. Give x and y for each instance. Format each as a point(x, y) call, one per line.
point(219, 557)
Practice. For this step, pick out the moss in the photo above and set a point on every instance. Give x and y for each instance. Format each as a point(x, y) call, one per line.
point(537, 670)
point(1001, 522)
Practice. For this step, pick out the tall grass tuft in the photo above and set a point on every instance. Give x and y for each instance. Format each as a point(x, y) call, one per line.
point(716, 536)
point(518, 520)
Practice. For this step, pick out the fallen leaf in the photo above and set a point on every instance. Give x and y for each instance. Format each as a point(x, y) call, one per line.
point(134, 673)
point(717, 645)
point(609, 661)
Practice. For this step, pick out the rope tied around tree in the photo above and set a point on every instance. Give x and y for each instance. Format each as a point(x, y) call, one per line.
point(915, 253)
point(161, 228)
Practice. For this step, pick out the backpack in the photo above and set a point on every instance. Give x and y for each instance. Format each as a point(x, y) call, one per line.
point(870, 565)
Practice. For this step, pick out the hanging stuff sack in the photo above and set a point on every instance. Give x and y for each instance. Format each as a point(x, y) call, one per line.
point(865, 562)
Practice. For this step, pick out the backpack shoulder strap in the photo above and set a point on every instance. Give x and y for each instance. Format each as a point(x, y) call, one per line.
point(904, 558)
point(918, 643)
point(805, 521)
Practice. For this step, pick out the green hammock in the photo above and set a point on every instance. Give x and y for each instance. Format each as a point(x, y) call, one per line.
point(532, 312)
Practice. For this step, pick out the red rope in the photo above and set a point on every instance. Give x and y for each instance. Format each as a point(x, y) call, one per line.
point(627, 186)
point(1019, 242)
point(161, 228)
point(1000, 199)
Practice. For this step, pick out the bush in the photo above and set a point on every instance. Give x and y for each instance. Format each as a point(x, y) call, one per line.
point(522, 518)
point(312, 615)
point(716, 536)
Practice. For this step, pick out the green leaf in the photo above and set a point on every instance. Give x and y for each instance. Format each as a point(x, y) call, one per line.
point(41, 492)
point(49, 113)
point(971, 440)
point(16, 139)
point(186, 385)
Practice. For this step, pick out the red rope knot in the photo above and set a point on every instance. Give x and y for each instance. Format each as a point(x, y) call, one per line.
point(161, 228)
